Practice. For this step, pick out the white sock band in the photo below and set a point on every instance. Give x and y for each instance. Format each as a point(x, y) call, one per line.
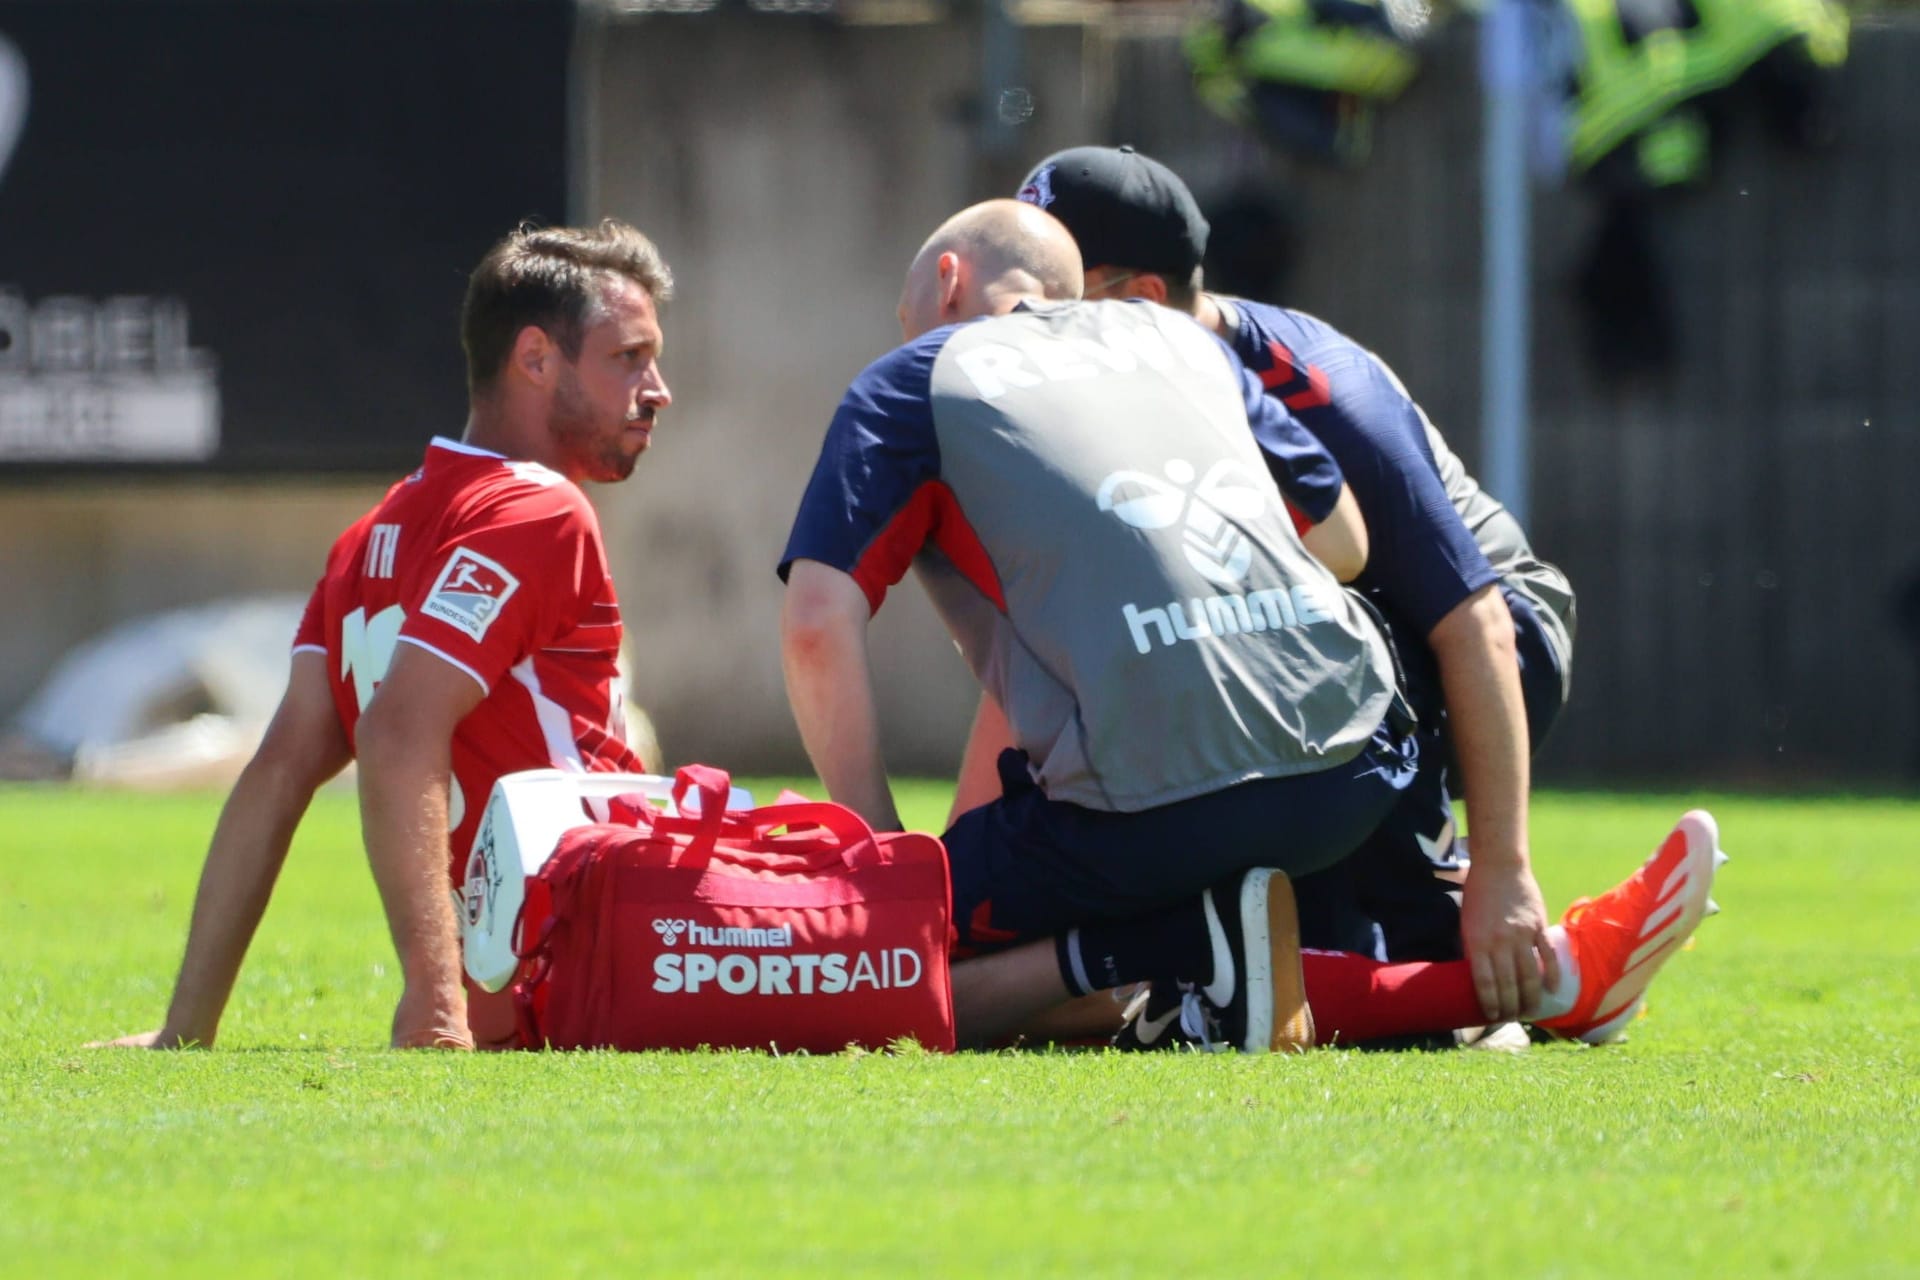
point(1557, 1000)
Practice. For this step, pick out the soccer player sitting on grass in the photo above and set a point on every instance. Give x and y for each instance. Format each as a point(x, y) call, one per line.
point(1199, 709)
point(465, 628)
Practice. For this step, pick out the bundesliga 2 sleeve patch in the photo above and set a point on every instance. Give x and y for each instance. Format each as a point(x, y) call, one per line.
point(470, 592)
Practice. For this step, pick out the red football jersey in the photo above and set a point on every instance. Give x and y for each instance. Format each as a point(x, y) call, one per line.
point(497, 567)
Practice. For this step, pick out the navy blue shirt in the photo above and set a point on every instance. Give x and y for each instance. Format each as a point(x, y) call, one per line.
point(1422, 559)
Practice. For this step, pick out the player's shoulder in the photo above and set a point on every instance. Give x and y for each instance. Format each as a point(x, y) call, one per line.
point(352, 540)
point(1258, 323)
point(896, 390)
point(909, 366)
point(474, 485)
point(529, 488)
point(1314, 366)
point(456, 464)
point(1035, 332)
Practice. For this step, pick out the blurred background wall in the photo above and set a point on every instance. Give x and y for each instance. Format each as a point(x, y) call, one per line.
point(790, 171)
point(1739, 529)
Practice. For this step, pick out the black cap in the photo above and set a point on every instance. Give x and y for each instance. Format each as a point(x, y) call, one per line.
point(1125, 209)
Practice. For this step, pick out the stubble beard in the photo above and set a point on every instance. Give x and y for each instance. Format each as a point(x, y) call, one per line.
point(575, 427)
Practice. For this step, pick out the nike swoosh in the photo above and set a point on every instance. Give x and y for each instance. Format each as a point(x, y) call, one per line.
point(1218, 991)
point(1149, 1030)
point(1439, 850)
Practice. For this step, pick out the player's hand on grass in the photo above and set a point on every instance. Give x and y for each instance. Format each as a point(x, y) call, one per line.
point(433, 1017)
point(1503, 924)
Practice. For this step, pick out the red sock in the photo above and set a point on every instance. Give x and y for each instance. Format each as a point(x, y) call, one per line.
point(1354, 998)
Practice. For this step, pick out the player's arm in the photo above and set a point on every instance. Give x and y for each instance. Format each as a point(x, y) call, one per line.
point(1340, 541)
point(303, 747)
point(979, 781)
point(854, 536)
point(1428, 569)
point(405, 745)
point(1503, 921)
point(823, 649)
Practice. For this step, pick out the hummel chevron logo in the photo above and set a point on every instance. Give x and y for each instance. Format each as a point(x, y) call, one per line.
point(1211, 540)
point(1284, 372)
point(1221, 559)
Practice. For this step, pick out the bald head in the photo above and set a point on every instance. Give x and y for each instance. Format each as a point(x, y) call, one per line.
point(985, 259)
point(1010, 241)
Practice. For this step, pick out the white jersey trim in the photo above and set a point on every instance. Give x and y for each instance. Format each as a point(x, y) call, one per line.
point(447, 658)
point(461, 446)
point(311, 648)
point(555, 724)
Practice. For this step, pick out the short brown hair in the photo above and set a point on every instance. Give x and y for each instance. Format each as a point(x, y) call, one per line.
point(549, 277)
point(1183, 293)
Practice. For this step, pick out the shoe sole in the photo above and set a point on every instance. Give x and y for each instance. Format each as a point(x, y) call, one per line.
point(1278, 1019)
point(1703, 859)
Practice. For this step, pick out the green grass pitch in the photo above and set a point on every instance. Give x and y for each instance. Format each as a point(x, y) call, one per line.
point(1763, 1120)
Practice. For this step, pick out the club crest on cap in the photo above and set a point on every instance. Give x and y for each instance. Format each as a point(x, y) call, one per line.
point(1039, 189)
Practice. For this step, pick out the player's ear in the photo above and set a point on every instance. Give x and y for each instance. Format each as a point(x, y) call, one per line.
point(534, 356)
point(1148, 285)
point(952, 282)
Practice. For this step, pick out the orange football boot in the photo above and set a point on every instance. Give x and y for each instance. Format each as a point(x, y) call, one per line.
point(1621, 938)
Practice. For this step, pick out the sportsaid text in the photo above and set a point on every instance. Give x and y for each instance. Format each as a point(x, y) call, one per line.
point(834, 973)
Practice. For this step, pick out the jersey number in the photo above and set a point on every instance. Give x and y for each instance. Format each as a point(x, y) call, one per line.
point(366, 651)
point(366, 648)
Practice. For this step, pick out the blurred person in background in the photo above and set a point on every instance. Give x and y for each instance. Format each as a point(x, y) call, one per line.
point(465, 628)
point(1486, 627)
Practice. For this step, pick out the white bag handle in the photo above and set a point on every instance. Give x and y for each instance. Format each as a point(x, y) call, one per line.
point(525, 817)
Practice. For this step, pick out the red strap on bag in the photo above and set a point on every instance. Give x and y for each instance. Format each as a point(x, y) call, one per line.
point(704, 827)
point(808, 824)
point(793, 811)
point(792, 926)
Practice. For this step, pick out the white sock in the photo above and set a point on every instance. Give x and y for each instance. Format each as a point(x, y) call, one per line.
point(1557, 1000)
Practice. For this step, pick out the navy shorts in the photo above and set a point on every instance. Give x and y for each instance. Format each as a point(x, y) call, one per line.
point(1395, 897)
point(1028, 867)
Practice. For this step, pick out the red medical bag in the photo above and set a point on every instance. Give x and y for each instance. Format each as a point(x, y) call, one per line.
point(789, 927)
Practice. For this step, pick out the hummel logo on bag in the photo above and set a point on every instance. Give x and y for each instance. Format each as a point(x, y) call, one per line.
point(703, 935)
